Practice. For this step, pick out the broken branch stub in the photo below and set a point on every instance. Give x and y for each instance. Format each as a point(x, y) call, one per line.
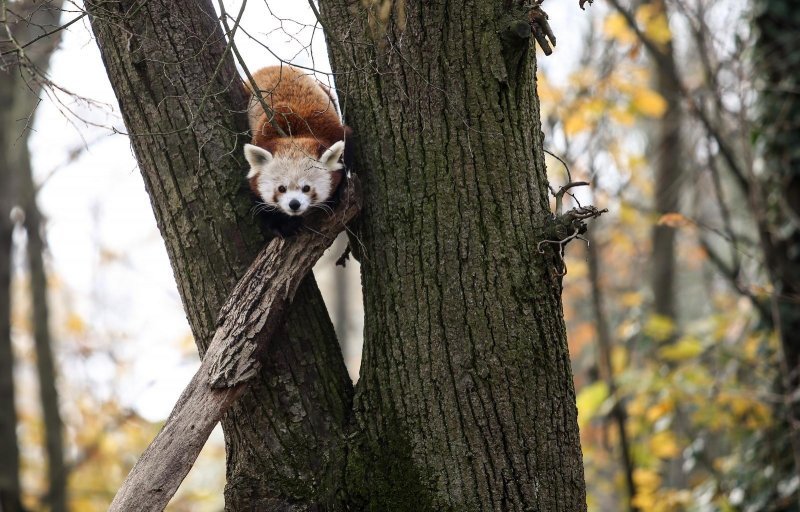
point(250, 317)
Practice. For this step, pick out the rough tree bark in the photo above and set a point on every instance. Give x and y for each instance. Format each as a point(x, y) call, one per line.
point(466, 400)
point(166, 60)
point(776, 192)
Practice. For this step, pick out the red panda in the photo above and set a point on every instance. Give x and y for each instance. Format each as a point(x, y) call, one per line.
point(294, 173)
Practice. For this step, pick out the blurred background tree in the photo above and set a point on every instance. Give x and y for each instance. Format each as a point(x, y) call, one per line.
point(682, 313)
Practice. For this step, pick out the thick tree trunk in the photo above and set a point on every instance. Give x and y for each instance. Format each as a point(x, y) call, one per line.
point(466, 400)
point(778, 193)
point(166, 60)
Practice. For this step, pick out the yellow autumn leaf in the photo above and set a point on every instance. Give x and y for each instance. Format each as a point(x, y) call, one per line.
point(654, 21)
point(659, 327)
point(589, 400)
point(631, 299)
point(623, 116)
point(646, 479)
point(619, 359)
point(687, 347)
point(644, 501)
point(575, 123)
point(664, 445)
point(595, 106)
point(615, 27)
point(648, 102)
point(659, 410)
point(75, 324)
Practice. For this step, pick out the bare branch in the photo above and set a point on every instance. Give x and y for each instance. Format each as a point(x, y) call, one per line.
point(19, 47)
point(253, 85)
point(668, 65)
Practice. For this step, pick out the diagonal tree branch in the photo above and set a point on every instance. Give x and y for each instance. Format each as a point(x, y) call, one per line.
point(252, 315)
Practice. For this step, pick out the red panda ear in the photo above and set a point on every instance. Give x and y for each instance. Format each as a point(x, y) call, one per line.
point(330, 158)
point(257, 158)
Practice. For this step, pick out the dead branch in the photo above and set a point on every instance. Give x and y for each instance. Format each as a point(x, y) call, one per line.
point(566, 227)
point(251, 316)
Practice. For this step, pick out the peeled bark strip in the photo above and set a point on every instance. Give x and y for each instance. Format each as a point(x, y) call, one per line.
point(251, 317)
point(466, 400)
point(161, 56)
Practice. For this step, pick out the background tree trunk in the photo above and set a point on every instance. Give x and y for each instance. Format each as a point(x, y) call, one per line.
point(19, 95)
point(166, 60)
point(669, 178)
point(777, 24)
point(45, 363)
point(9, 452)
point(466, 399)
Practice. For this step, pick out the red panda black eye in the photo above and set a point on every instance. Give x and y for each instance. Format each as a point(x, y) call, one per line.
point(306, 188)
point(282, 189)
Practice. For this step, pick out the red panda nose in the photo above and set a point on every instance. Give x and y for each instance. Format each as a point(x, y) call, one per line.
point(294, 204)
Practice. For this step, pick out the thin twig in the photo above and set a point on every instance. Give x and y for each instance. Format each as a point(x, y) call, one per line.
point(20, 47)
point(253, 85)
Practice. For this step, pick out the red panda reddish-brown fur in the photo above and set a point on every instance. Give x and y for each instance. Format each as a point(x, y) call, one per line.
point(304, 109)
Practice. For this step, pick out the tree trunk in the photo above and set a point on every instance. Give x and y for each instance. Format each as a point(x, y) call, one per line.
point(9, 451)
point(619, 412)
point(183, 105)
point(778, 192)
point(466, 399)
point(668, 184)
point(45, 364)
point(24, 87)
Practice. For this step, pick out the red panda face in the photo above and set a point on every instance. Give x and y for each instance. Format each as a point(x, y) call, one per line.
point(293, 182)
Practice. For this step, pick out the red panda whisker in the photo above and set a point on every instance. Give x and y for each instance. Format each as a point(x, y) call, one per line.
point(324, 207)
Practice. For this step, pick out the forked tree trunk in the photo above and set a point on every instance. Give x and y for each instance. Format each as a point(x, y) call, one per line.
point(466, 399)
point(161, 57)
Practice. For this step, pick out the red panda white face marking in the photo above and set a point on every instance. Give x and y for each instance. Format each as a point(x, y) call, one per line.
point(295, 181)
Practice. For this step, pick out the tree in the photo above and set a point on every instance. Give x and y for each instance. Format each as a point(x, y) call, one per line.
point(776, 191)
point(22, 77)
point(9, 453)
point(465, 399)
